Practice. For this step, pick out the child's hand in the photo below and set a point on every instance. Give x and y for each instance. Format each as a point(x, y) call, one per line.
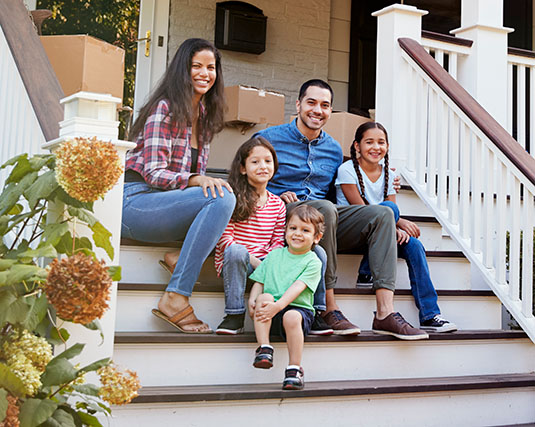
point(409, 227)
point(401, 236)
point(397, 181)
point(266, 311)
point(252, 307)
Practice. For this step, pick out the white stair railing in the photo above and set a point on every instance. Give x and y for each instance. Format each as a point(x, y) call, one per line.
point(476, 179)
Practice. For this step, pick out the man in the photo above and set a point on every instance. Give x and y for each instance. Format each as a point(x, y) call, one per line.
point(308, 161)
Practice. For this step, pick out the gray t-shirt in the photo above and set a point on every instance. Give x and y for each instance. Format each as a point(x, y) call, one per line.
point(374, 191)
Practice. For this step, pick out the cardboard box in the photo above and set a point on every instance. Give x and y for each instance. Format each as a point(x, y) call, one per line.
point(252, 105)
point(342, 126)
point(84, 63)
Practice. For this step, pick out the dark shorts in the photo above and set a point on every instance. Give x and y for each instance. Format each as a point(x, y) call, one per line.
point(276, 324)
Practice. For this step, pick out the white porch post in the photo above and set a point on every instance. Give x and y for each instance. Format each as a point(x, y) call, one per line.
point(483, 73)
point(394, 22)
point(88, 115)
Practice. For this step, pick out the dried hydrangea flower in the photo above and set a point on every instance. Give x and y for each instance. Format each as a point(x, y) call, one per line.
point(12, 413)
point(118, 388)
point(78, 287)
point(87, 168)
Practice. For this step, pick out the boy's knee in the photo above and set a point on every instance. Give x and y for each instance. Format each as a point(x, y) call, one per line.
point(322, 255)
point(292, 319)
point(264, 298)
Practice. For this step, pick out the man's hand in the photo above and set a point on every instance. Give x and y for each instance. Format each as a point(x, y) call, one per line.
point(289, 197)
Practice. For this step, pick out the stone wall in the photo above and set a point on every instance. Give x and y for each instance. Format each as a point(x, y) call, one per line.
point(297, 43)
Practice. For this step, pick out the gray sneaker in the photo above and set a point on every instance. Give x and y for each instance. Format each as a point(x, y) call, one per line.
point(394, 324)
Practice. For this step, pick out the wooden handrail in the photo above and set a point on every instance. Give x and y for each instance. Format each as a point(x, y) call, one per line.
point(521, 52)
point(446, 38)
point(32, 62)
point(488, 125)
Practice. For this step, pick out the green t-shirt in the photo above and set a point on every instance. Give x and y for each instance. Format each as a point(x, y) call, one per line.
point(280, 269)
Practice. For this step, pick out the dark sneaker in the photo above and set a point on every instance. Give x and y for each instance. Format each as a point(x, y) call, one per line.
point(394, 324)
point(438, 324)
point(232, 324)
point(339, 323)
point(364, 281)
point(263, 357)
point(319, 327)
point(294, 378)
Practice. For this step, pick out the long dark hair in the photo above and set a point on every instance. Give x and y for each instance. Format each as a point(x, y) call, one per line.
point(246, 195)
point(176, 87)
point(359, 134)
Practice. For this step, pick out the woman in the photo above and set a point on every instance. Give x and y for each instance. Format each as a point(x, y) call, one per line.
point(167, 195)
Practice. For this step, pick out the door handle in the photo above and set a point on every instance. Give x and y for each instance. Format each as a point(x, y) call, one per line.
point(147, 41)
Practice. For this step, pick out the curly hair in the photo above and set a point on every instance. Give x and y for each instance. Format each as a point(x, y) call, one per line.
point(359, 134)
point(177, 88)
point(246, 195)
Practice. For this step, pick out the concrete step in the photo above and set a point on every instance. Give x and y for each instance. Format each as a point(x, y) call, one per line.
point(450, 401)
point(449, 269)
point(467, 309)
point(170, 359)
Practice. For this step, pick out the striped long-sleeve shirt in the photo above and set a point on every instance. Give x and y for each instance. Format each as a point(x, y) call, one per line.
point(260, 233)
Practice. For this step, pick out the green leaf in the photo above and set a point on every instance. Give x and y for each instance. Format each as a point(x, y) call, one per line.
point(12, 192)
point(115, 272)
point(58, 372)
point(42, 188)
point(89, 389)
point(101, 237)
point(19, 272)
point(21, 169)
point(39, 306)
point(96, 365)
point(63, 197)
point(59, 418)
point(82, 215)
point(44, 250)
point(6, 264)
point(96, 326)
point(65, 244)
point(10, 382)
point(14, 160)
point(52, 233)
point(36, 411)
point(3, 404)
point(71, 352)
point(40, 160)
point(18, 311)
point(15, 210)
point(89, 420)
point(59, 337)
point(7, 297)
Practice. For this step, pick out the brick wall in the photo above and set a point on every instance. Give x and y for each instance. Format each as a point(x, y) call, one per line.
point(297, 43)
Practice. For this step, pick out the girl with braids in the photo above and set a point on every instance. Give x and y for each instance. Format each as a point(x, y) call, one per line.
point(366, 180)
point(255, 229)
point(167, 195)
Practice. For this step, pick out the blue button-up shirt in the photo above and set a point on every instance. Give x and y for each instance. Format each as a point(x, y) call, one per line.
point(305, 167)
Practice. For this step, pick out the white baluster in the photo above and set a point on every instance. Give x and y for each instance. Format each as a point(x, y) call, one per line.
point(476, 193)
point(527, 254)
point(431, 144)
point(521, 105)
point(501, 205)
point(452, 64)
point(514, 240)
point(453, 194)
point(488, 201)
point(466, 176)
point(442, 153)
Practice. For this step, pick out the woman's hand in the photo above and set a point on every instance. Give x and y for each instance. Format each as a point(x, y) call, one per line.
point(409, 227)
point(402, 237)
point(207, 182)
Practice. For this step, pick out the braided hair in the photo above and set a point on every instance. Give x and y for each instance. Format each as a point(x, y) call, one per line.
point(246, 195)
point(359, 134)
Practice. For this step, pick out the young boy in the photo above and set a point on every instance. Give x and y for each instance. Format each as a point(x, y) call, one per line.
point(281, 300)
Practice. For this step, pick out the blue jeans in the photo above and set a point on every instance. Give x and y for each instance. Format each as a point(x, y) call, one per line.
point(153, 215)
point(422, 288)
point(237, 268)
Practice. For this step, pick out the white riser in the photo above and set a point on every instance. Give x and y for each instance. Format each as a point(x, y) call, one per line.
point(133, 313)
point(207, 364)
point(410, 204)
point(140, 265)
point(466, 408)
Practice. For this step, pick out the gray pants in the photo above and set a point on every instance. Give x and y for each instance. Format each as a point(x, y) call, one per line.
point(357, 228)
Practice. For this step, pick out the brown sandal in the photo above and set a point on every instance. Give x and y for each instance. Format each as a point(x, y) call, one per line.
point(167, 267)
point(178, 320)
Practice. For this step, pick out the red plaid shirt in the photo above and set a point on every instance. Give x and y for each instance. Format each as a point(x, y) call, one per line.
point(163, 152)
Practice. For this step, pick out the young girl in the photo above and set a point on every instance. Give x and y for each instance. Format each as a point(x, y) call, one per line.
point(256, 227)
point(281, 300)
point(167, 195)
point(364, 180)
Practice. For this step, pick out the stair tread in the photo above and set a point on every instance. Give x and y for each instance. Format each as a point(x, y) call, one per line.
point(217, 286)
point(249, 337)
point(162, 394)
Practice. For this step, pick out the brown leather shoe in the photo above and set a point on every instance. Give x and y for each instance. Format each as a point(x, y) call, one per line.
point(339, 323)
point(394, 324)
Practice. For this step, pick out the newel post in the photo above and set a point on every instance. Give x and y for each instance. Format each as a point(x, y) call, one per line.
point(393, 22)
point(94, 115)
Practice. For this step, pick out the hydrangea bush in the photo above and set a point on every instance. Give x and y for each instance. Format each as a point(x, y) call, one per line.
point(35, 387)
